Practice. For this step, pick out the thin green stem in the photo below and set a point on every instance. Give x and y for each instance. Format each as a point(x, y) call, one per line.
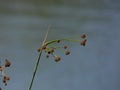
point(64, 39)
point(38, 60)
point(49, 42)
point(35, 70)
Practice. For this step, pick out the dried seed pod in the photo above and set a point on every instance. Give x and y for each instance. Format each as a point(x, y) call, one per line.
point(83, 36)
point(83, 42)
point(1, 68)
point(44, 46)
point(52, 50)
point(47, 56)
point(4, 81)
point(6, 78)
point(49, 52)
point(65, 47)
point(39, 49)
point(58, 41)
point(67, 52)
point(7, 63)
point(57, 58)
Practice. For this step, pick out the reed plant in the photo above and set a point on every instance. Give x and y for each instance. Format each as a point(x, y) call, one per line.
point(49, 48)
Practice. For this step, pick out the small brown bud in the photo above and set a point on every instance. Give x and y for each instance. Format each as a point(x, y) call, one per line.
point(6, 78)
point(83, 36)
point(83, 42)
point(39, 49)
point(7, 63)
point(52, 50)
point(47, 56)
point(4, 81)
point(67, 52)
point(57, 58)
point(65, 47)
point(58, 41)
point(1, 68)
point(43, 46)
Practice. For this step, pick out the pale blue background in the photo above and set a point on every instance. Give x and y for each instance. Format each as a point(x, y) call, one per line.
point(96, 66)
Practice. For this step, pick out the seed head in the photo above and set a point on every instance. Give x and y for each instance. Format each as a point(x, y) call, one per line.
point(65, 47)
point(51, 50)
point(57, 58)
point(39, 49)
point(6, 78)
point(47, 56)
point(67, 52)
point(58, 41)
point(1, 68)
point(83, 42)
point(7, 63)
point(4, 81)
point(44, 46)
point(83, 36)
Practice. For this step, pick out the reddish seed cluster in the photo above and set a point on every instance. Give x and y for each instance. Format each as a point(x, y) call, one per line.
point(51, 50)
point(5, 78)
point(57, 58)
point(58, 41)
point(65, 47)
point(83, 36)
point(83, 42)
point(67, 52)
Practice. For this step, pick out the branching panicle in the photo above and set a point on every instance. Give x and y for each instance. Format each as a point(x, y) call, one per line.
point(49, 48)
point(5, 78)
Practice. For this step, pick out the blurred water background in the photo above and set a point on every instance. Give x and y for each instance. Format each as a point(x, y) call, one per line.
point(23, 24)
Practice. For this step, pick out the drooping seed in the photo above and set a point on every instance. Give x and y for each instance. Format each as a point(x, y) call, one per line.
point(7, 63)
point(39, 49)
point(52, 50)
point(58, 41)
point(65, 47)
point(44, 46)
point(57, 58)
point(6, 78)
point(83, 36)
point(83, 42)
point(67, 52)
point(47, 56)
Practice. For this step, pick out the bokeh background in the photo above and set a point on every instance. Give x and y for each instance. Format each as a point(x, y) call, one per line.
point(23, 24)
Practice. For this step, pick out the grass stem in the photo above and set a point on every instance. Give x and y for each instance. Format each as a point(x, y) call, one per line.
point(38, 60)
point(35, 70)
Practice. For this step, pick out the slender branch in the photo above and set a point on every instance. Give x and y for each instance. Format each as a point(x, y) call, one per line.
point(35, 70)
point(38, 60)
point(46, 35)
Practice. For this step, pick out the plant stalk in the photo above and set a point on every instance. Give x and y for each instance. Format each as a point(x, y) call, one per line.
point(38, 60)
point(35, 70)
